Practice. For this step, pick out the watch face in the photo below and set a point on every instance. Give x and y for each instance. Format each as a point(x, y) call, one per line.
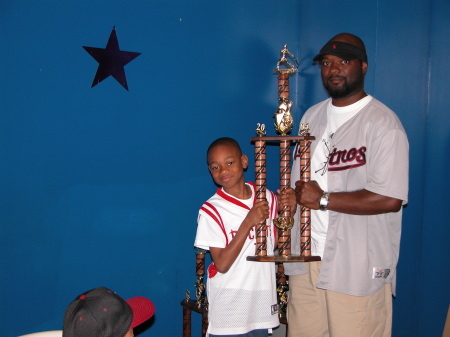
point(323, 204)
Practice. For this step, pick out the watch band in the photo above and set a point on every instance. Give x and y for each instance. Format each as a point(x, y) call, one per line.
point(323, 202)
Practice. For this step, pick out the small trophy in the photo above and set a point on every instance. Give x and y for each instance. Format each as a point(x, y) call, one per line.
point(200, 305)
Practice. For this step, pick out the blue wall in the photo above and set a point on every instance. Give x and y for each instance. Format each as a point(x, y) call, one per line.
point(435, 273)
point(408, 43)
point(101, 186)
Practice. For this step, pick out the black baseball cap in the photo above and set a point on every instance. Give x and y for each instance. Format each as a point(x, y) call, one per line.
point(345, 51)
point(100, 312)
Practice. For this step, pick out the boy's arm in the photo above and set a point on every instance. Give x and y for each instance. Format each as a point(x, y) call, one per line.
point(223, 258)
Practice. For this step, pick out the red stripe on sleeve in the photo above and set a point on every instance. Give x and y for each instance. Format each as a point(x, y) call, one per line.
point(216, 217)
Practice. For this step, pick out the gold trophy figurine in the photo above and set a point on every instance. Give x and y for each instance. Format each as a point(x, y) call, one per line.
point(285, 55)
point(304, 129)
point(283, 117)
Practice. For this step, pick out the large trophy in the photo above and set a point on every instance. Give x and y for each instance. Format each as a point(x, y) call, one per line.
point(286, 66)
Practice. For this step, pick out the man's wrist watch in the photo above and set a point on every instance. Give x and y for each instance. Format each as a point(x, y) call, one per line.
point(323, 202)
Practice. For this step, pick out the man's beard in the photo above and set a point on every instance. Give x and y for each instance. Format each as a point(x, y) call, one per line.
point(344, 90)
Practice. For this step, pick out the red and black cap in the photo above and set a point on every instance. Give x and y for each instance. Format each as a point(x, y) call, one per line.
point(102, 313)
point(345, 51)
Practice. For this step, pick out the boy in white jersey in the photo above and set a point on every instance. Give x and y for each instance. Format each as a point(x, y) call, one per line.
point(359, 182)
point(241, 294)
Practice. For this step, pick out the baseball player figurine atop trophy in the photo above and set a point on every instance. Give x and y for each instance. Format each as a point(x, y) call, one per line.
point(290, 68)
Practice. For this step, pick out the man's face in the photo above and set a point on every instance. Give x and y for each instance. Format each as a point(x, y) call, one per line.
point(342, 78)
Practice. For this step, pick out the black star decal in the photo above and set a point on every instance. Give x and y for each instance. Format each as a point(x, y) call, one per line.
point(111, 60)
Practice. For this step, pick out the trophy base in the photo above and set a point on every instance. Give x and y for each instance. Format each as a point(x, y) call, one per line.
point(282, 258)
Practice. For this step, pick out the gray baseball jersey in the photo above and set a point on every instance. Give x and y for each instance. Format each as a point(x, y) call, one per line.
point(369, 151)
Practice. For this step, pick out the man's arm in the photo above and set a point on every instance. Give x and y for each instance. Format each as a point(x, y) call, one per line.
point(360, 202)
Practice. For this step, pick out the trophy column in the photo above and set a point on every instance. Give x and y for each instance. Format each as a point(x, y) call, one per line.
point(285, 220)
point(186, 321)
point(202, 302)
point(260, 183)
point(305, 175)
point(283, 126)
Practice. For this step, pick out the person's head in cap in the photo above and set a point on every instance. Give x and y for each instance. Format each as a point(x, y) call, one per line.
point(102, 313)
point(343, 62)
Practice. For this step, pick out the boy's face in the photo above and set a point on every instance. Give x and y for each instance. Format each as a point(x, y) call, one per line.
point(227, 166)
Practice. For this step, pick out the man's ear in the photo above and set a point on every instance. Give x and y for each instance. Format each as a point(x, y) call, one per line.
point(364, 66)
point(244, 160)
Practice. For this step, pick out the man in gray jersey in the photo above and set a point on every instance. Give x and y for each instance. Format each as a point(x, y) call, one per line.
point(359, 183)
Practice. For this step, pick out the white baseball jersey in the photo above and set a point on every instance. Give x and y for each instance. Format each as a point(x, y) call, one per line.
point(369, 151)
point(244, 298)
